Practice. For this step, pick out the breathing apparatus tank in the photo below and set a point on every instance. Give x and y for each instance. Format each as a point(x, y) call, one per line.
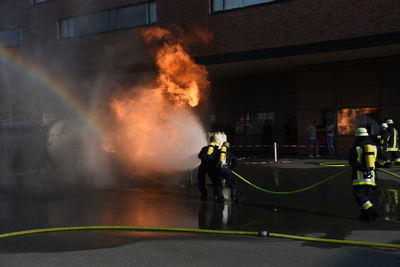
point(369, 157)
point(211, 148)
point(222, 155)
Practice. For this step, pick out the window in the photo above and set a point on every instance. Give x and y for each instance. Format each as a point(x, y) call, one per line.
point(40, 1)
point(257, 121)
point(10, 37)
point(84, 25)
point(349, 119)
point(115, 19)
point(253, 123)
point(220, 5)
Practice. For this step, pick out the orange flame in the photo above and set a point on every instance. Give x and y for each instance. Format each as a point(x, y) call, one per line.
point(180, 78)
point(347, 118)
point(155, 131)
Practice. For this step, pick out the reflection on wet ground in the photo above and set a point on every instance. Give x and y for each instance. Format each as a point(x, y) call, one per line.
point(332, 198)
point(328, 211)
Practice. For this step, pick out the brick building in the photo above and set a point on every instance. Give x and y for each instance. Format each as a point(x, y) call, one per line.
point(283, 63)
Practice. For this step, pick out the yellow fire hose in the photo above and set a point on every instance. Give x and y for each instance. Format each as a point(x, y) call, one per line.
point(294, 191)
point(203, 231)
point(334, 164)
point(388, 172)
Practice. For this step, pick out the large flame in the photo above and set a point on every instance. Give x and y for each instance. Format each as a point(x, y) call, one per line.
point(179, 77)
point(155, 130)
point(348, 120)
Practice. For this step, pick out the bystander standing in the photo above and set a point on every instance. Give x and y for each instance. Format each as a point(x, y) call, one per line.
point(330, 136)
point(312, 137)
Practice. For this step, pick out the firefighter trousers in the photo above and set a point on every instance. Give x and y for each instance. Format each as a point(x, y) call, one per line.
point(225, 173)
point(362, 194)
point(205, 169)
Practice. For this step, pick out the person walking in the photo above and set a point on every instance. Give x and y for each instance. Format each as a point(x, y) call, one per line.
point(362, 158)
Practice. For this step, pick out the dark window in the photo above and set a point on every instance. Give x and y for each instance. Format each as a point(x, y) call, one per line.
point(85, 25)
point(132, 16)
point(256, 122)
point(10, 37)
point(220, 5)
point(40, 1)
point(115, 19)
point(152, 13)
point(231, 4)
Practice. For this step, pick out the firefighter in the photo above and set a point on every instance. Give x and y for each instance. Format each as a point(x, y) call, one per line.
point(362, 161)
point(381, 141)
point(208, 165)
point(393, 143)
point(228, 161)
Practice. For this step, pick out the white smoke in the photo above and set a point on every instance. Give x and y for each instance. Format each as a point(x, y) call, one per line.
point(154, 136)
point(76, 155)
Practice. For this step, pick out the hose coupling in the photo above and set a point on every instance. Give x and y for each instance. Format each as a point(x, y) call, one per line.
point(263, 234)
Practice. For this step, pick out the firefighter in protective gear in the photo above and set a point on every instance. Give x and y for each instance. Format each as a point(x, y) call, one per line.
point(362, 160)
point(208, 165)
point(228, 161)
point(381, 141)
point(393, 143)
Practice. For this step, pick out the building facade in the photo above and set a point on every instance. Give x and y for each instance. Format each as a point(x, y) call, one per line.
point(274, 65)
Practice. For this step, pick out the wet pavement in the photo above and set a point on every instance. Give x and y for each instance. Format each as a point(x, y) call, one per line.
point(328, 211)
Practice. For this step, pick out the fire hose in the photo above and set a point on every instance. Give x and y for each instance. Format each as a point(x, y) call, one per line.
point(294, 191)
point(344, 164)
point(334, 164)
point(263, 234)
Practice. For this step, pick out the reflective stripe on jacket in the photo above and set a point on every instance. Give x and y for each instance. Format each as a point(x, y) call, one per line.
point(392, 140)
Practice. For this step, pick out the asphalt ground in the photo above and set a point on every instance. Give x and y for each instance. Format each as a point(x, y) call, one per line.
point(25, 207)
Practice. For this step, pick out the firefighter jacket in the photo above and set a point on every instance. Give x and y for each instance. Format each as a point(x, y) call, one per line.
point(382, 139)
point(393, 139)
point(208, 154)
point(362, 175)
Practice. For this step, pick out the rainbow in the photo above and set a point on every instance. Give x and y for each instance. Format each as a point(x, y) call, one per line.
point(10, 59)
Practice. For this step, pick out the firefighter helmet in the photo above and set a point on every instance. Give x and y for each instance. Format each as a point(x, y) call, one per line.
point(384, 125)
point(361, 132)
point(226, 144)
point(389, 121)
